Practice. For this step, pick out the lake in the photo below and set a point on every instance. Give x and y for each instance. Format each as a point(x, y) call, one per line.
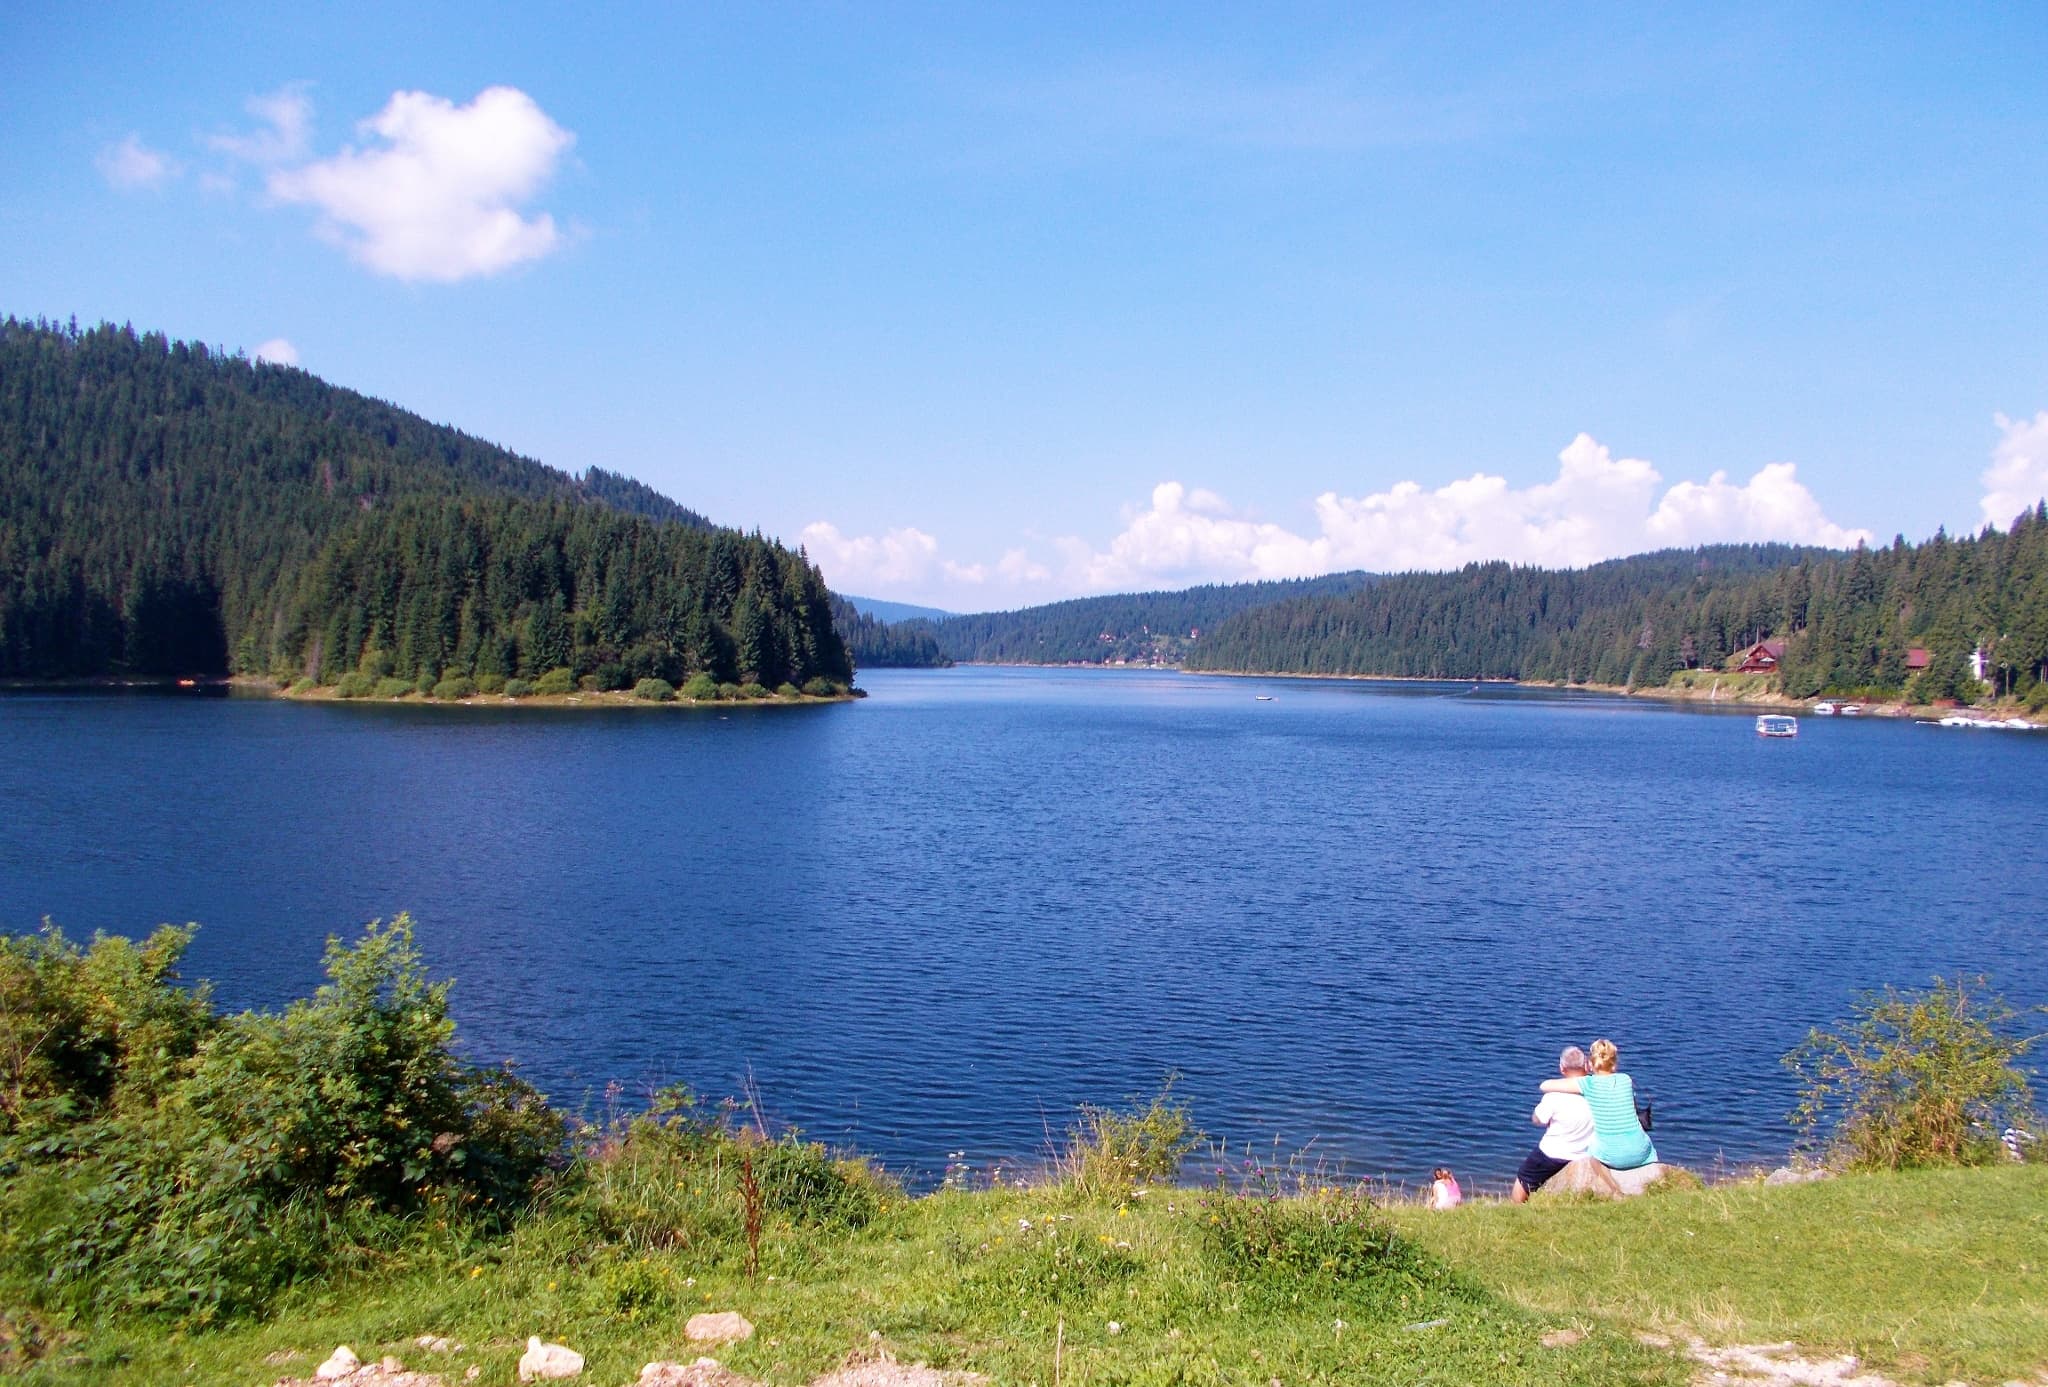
point(1358, 920)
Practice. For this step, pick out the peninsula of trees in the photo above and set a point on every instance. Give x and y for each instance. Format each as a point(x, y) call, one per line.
point(167, 509)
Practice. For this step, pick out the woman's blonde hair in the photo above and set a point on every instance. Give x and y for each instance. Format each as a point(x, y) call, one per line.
point(1604, 1056)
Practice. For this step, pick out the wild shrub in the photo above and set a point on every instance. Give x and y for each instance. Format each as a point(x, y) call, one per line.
point(88, 1030)
point(1112, 1150)
point(455, 687)
point(302, 684)
point(820, 687)
point(786, 690)
point(700, 688)
point(354, 685)
point(1922, 1078)
point(490, 683)
point(518, 688)
point(555, 682)
point(752, 690)
point(1324, 1233)
point(271, 1147)
point(728, 692)
point(393, 687)
point(655, 691)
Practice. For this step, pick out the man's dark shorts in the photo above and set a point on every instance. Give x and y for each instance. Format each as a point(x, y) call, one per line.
point(1537, 1168)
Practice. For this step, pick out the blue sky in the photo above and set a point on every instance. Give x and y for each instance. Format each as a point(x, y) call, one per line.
point(992, 305)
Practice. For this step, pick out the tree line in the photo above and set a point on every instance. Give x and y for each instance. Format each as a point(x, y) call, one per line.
point(1850, 622)
point(169, 509)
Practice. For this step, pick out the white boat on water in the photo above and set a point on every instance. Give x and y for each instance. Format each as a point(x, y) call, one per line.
point(1777, 725)
point(1263, 698)
point(1824, 709)
point(1851, 710)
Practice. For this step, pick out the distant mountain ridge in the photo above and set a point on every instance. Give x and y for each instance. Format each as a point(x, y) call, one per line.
point(167, 509)
point(882, 610)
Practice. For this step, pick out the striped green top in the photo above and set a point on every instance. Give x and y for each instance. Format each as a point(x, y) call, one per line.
point(1619, 1141)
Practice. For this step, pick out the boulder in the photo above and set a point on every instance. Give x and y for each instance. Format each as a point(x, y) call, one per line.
point(1793, 1175)
point(544, 1361)
point(724, 1327)
point(1588, 1176)
point(340, 1363)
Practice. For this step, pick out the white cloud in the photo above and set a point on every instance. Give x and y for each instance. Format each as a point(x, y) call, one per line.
point(2018, 475)
point(434, 192)
point(278, 352)
point(286, 133)
point(130, 165)
point(1598, 507)
point(906, 558)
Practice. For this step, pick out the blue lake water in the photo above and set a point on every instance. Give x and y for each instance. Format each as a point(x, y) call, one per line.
point(1358, 919)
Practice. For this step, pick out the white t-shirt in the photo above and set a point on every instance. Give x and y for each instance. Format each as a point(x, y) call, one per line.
point(1570, 1131)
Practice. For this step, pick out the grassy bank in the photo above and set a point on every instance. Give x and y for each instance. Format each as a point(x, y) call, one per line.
point(1927, 1276)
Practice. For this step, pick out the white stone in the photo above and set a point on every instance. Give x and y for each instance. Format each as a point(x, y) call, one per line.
point(543, 1361)
point(724, 1327)
point(340, 1363)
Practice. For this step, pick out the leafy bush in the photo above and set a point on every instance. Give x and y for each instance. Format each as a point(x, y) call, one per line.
point(424, 685)
point(163, 1160)
point(752, 690)
point(612, 675)
point(354, 685)
point(518, 688)
point(728, 692)
point(820, 687)
point(1111, 1151)
point(303, 684)
point(655, 691)
point(490, 683)
point(700, 688)
point(1915, 1078)
point(788, 691)
point(555, 682)
point(455, 687)
point(1324, 1233)
point(393, 687)
point(88, 1030)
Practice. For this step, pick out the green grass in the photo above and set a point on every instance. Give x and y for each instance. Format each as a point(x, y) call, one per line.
point(1928, 1276)
point(955, 1279)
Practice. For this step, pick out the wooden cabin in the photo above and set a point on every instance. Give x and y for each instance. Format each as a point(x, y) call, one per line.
point(1761, 658)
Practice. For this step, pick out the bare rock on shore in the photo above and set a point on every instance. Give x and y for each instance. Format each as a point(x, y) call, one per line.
point(544, 1362)
point(1588, 1176)
point(1793, 1175)
point(722, 1327)
point(705, 1372)
point(1780, 1365)
point(345, 1369)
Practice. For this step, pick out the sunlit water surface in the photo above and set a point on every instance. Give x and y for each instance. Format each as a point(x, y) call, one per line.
point(1357, 919)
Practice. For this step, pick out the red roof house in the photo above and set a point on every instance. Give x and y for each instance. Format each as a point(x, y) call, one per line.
point(1916, 658)
point(1761, 658)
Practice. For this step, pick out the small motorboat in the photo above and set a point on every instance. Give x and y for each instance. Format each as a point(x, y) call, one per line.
point(1777, 725)
point(1825, 709)
point(1263, 698)
point(1852, 710)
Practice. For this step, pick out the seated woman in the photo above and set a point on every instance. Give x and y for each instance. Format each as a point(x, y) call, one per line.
point(1619, 1141)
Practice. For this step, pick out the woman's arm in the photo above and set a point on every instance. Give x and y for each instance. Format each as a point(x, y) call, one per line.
point(1560, 1085)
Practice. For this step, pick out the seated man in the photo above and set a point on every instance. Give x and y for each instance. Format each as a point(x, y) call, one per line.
point(1568, 1130)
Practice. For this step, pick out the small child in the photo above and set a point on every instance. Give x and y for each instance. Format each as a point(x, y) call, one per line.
point(1445, 1194)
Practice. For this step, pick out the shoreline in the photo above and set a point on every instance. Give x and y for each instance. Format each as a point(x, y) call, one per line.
point(254, 686)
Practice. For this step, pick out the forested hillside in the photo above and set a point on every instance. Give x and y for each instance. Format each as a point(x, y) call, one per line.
point(166, 509)
point(1134, 628)
point(1850, 621)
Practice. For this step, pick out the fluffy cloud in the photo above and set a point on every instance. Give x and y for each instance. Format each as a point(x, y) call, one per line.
point(1597, 507)
point(901, 559)
point(286, 130)
point(278, 352)
point(131, 165)
point(434, 192)
point(2018, 475)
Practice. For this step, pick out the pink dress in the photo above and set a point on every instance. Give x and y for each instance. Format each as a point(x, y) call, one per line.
point(1445, 1194)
